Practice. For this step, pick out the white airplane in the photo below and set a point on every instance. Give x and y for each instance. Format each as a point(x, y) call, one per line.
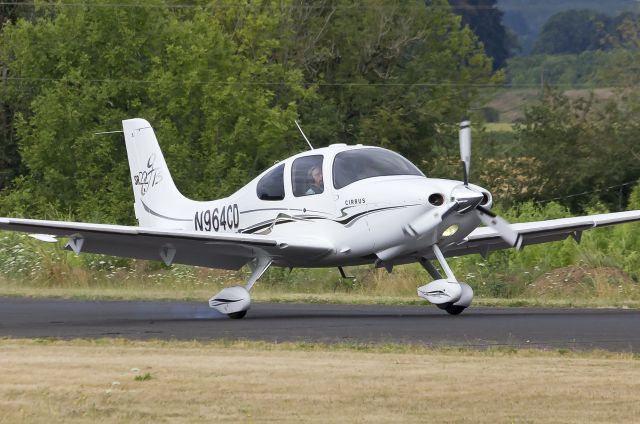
point(330, 207)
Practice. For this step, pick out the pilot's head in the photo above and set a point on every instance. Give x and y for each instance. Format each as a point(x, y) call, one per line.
point(316, 174)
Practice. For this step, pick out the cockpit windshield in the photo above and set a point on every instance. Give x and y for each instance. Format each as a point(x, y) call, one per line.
point(355, 165)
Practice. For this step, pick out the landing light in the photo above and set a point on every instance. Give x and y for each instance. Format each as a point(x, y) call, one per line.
point(450, 231)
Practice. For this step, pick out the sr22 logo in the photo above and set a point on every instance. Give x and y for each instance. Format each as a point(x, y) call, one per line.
point(149, 177)
point(228, 218)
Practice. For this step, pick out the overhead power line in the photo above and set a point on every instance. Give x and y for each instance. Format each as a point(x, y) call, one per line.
point(309, 83)
point(632, 4)
point(364, 5)
point(618, 187)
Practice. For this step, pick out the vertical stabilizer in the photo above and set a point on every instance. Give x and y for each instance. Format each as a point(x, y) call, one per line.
point(158, 203)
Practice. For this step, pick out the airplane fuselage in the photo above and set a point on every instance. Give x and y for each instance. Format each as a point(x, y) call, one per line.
point(364, 219)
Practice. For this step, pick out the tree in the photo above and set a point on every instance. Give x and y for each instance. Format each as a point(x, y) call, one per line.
point(82, 70)
point(395, 74)
point(9, 156)
point(573, 31)
point(485, 20)
point(624, 65)
point(577, 147)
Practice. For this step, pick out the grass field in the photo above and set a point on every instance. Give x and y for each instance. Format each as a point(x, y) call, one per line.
point(114, 380)
point(511, 103)
point(282, 296)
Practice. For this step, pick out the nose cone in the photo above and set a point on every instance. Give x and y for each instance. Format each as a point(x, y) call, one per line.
point(466, 197)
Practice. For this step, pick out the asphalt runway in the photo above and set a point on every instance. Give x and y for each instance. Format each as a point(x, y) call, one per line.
point(610, 329)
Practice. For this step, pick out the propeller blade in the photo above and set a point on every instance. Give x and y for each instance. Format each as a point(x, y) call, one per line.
point(499, 224)
point(465, 149)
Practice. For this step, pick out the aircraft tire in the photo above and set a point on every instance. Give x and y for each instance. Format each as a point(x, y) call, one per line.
point(455, 309)
point(237, 315)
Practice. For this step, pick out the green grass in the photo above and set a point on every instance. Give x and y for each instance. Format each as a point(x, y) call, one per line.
point(305, 346)
point(265, 295)
point(144, 377)
point(499, 127)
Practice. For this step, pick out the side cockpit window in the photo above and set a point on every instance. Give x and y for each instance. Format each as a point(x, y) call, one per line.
point(271, 186)
point(306, 176)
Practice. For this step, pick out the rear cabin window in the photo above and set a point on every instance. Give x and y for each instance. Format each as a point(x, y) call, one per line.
point(306, 176)
point(355, 165)
point(271, 186)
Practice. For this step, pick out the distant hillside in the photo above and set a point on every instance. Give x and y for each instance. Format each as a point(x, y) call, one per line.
point(526, 17)
point(586, 70)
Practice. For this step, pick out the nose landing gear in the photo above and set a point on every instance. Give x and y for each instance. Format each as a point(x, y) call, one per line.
point(445, 293)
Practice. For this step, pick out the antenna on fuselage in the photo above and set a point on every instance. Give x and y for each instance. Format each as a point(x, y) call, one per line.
point(302, 132)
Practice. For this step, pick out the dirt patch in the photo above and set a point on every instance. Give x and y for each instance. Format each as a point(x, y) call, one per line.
point(580, 281)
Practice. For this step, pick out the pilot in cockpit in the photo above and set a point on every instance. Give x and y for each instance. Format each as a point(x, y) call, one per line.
point(317, 186)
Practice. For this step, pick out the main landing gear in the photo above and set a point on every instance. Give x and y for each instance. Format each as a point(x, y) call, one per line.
point(446, 293)
point(236, 301)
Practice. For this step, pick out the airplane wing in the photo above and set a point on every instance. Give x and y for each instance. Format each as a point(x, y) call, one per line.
point(484, 240)
point(214, 250)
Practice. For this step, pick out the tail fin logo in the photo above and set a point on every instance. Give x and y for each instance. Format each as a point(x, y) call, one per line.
point(149, 177)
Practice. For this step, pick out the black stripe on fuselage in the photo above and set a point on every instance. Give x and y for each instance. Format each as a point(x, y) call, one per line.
point(345, 222)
